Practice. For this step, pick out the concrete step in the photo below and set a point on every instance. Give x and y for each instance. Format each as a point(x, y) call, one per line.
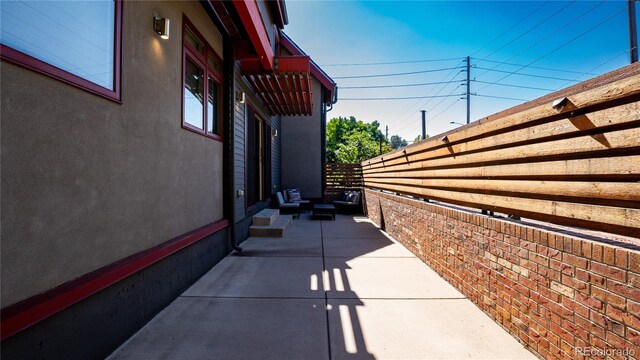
point(266, 217)
point(276, 229)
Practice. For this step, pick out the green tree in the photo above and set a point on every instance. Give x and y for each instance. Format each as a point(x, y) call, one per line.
point(419, 138)
point(397, 142)
point(351, 141)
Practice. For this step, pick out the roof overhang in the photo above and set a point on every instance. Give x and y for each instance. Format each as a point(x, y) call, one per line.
point(287, 89)
point(329, 86)
point(252, 21)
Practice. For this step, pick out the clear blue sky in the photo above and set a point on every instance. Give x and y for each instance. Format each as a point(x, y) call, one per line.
point(574, 37)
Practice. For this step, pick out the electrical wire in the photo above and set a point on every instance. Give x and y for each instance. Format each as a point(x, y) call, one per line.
point(396, 98)
point(397, 85)
point(500, 97)
point(438, 104)
point(557, 48)
point(513, 85)
point(394, 74)
point(412, 107)
point(548, 35)
point(392, 62)
point(536, 67)
point(597, 67)
point(511, 28)
point(530, 75)
point(531, 28)
point(445, 109)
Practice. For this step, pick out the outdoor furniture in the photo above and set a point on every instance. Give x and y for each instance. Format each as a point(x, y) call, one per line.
point(287, 207)
point(350, 203)
point(294, 196)
point(324, 210)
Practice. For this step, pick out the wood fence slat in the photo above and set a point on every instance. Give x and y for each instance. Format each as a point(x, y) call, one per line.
point(622, 139)
point(607, 167)
point(623, 220)
point(625, 115)
point(624, 193)
point(578, 165)
point(624, 88)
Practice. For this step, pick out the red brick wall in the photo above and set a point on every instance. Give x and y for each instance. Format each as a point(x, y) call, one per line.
point(558, 294)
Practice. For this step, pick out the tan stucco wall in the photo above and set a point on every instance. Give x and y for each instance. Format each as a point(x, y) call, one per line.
point(86, 181)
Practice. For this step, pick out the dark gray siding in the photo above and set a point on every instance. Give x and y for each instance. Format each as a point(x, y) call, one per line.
point(275, 155)
point(303, 168)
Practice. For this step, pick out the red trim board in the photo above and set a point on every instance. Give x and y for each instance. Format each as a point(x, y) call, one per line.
point(19, 58)
point(26, 313)
point(252, 20)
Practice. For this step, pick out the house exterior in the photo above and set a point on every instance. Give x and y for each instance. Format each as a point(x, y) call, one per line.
point(131, 164)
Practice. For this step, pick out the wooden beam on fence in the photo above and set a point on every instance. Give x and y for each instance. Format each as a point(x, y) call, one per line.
point(617, 92)
point(621, 117)
point(604, 218)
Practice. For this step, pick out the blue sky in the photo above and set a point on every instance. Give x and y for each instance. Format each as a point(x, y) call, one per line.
point(579, 38)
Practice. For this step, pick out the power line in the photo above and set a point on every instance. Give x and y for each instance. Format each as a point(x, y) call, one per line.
point(537, 67)
point(436, 105)
point(531, 28)
point(397, 85)
point(428, 101)
point(548, 35)
point(557, 48)
point(597, 67)
point(500, 97)
point(394, 74)
point(393, 62)
point(397, 98)
point(409, 109)
point(445, 109)
point(511, 28)
point(438, 92)
point(513, 85)
point(531, 75)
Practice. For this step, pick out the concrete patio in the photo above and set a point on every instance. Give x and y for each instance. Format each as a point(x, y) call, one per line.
point(327, 290)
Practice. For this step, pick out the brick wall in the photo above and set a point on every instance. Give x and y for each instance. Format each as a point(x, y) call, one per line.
point(557, 293)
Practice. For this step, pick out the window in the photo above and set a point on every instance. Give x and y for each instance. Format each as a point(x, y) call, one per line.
point(202, 85)
point(77, 42)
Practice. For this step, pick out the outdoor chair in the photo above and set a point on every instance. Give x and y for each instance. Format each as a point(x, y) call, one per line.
point(287, 207)
point(350, 202)
point(294, 196)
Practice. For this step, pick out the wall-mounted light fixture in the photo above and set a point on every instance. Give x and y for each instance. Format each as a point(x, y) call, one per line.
point(161, 26)
point(274, 132)
point(240, 96)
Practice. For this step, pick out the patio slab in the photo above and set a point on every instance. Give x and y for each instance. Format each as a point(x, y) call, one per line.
point(214, 328)
point(364, 247)
point(385, 278)
point(381, 302)
point(351, 229)
point(284, 246)
point(262, 277)
point(304, 228)
point(417, 329)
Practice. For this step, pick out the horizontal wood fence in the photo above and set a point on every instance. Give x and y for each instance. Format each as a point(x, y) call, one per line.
point(341, 177)
point(571, 158)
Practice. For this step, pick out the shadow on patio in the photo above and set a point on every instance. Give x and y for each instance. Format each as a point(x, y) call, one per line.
point(327, 290)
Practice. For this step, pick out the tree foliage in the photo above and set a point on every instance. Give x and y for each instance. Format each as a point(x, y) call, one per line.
point(352, 141)
point(397, 142)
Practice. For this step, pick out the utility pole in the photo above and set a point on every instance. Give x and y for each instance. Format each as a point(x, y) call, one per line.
point(468, 89)
point(424, 124)
point(633, 31)
point(386, 132)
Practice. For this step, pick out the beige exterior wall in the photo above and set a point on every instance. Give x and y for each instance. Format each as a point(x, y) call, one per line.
point(86, 181)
